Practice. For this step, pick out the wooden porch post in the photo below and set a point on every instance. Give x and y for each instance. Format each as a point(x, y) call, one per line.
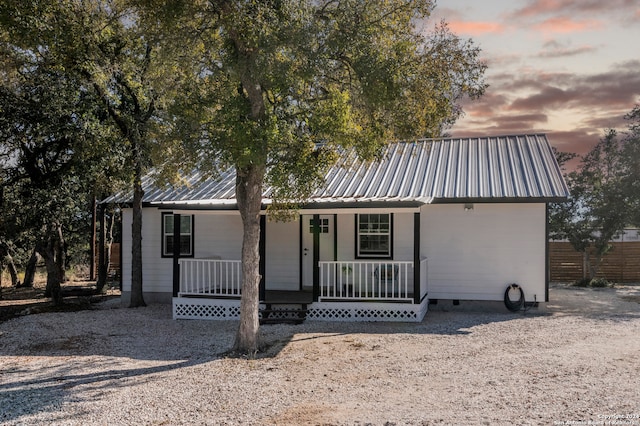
point(316, 257)
point(176, 254)
point(416, 258)
point(263, 253)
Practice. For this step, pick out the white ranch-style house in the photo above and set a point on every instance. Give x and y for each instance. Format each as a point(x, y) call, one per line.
point(435, 221)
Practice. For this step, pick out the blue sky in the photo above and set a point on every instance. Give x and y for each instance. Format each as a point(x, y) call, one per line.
point(569, 68)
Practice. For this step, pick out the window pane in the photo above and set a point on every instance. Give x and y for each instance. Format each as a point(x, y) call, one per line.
point(374, 244)
point(185, 244)
point(185, 224)
point(374, 234)
point(168, 244)
point(168, 224)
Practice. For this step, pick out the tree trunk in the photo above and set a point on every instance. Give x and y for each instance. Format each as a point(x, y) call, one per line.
point(249, 182)
point(30, 270)
point(136, 235)
point(1, 269)
point(48, 251)
point(6, 259)
point(61, 253)
point(13, 271)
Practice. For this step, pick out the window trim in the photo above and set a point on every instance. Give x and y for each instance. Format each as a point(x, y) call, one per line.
point(163, 235)
point(359, 255)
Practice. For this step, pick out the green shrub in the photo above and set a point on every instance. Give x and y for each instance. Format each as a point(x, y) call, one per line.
point(582, 282)
point(599, 283)
point(594, 283)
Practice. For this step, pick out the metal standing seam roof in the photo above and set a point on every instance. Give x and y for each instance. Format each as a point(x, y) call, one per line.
point(494, 168)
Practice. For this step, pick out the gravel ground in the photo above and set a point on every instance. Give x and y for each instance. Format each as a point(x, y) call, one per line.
point(576, 364)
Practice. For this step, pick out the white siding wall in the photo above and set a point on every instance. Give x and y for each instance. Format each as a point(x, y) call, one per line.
point(218, 236)
point(474, 255)
point(403, 236)
point(346, 236)
point(157, 271)
point(282, 255)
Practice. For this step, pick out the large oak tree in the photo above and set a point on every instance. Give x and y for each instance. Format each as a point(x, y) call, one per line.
point(130, 71)
point(284, 85)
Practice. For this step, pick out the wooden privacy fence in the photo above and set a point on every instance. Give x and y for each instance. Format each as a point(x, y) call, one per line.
point(621, 264)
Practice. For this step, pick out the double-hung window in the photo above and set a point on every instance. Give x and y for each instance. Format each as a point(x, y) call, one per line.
point(374, 235)
point(185, 243)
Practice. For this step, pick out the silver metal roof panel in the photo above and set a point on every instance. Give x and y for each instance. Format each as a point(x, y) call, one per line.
point(496, 168)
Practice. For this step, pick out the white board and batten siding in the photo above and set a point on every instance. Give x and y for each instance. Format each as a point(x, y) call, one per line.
point(474, 254)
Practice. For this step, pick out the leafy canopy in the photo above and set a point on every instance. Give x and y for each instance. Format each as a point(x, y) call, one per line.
point(279, 79)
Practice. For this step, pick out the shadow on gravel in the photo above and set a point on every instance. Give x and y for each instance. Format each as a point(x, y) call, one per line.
point(20, 398)
point(614, 304)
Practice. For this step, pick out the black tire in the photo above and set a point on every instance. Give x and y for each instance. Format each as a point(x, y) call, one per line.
point(511, 305)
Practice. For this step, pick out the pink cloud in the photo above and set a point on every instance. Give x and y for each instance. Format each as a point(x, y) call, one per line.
point(547, 7)
point(567, 25)
point(476, 28)
point(527, 101)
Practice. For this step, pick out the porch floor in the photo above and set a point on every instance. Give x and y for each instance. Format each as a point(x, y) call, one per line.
point(286, 296)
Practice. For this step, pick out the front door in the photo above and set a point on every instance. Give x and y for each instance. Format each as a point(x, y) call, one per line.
point(321, 248)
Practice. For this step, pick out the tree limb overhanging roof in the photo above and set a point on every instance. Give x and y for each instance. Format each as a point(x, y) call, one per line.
point(516, 168)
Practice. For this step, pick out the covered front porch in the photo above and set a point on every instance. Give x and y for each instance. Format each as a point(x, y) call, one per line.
point(357, 264)
point(345, 291)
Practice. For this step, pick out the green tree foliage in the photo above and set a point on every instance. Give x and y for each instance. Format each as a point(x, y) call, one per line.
point(130, 72)
point(631, 165)
point(55, 149)
point(605, 194)
point(43, 136)
point(282, 86)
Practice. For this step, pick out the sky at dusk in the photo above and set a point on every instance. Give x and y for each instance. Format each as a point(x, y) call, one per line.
point(568, 68)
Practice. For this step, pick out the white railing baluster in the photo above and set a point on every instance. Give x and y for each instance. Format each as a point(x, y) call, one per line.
point(368, 280)
point(210, 276)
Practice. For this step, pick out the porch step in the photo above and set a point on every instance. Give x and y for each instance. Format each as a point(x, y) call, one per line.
point(283, 313)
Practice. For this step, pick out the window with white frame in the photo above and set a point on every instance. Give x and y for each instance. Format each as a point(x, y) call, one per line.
point(186, 235)
point(373, 235)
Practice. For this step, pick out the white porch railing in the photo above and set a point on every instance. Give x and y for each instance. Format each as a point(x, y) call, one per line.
point(210, 277)
point(370, 280)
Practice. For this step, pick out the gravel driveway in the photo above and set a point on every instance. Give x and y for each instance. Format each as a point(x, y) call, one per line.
point(578, 363)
